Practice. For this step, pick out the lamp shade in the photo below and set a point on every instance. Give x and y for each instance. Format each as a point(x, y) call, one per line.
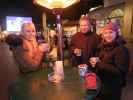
point(52, 4)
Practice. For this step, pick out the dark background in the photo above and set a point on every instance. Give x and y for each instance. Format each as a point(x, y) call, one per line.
point(27, 8)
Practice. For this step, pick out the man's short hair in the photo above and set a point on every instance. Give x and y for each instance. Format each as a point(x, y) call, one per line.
point(84, 17)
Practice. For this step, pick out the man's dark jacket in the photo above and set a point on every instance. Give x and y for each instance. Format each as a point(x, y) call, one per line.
point(87, 43)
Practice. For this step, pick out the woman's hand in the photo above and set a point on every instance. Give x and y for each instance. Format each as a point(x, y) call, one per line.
point(93, 61)
point(44, 47)
point(77, 52)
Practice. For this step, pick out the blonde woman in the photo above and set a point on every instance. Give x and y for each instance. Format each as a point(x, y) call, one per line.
point(28, 54)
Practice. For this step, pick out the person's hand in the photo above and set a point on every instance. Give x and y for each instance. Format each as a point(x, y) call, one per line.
point(44, 47)
point(77, 52)
point(93, 61)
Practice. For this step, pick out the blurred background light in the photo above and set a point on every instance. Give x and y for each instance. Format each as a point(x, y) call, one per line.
point(51, 4)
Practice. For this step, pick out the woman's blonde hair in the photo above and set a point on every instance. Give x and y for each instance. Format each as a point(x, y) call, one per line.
point(25, 24)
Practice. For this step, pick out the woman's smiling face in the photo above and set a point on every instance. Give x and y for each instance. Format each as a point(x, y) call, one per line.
point(29, 30)
point(109, 35)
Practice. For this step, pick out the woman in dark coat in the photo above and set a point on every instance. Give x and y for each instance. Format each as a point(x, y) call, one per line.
point(111, 63)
